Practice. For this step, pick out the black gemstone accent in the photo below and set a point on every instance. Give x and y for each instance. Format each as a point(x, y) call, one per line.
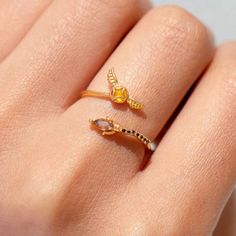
point(128, 131)
point(141, 136)
point(123, 130)
point(133, 131)
point(137, 134)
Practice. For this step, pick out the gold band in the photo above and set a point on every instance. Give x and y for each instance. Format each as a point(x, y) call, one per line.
point(118, 94)
point(90, 93)
point(109, 127)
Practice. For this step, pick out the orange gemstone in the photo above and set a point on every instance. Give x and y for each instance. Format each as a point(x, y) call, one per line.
point(119, 94)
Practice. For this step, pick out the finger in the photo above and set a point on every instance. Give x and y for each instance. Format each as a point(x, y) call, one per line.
point(16, 18)
point(194, 169)
point(64, 50)
point(158, 61)
point(226, 224)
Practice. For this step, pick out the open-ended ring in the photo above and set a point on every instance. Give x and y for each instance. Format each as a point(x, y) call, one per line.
point(109, 127)
point(118, 94)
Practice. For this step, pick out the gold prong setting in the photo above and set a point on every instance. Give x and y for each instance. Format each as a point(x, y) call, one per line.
point(118, 94)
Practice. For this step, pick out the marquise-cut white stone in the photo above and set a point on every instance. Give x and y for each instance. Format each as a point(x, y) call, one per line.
point(103, 125)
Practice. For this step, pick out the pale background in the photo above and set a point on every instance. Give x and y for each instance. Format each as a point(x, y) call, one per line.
point(219, 15)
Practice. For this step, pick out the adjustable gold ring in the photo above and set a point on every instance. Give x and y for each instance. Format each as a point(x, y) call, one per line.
point(109, 127)
point(118, 94)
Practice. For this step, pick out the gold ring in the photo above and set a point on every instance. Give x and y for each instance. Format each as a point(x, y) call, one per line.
point(109, 127)
point(118, 94)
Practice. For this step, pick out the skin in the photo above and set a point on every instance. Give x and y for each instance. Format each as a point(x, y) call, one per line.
point(59, 176)
point(17, 17)
point(226, 225)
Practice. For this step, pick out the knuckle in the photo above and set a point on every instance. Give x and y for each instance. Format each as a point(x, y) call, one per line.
point(226, 63)
point(177, 23)
point(128, 4)
point(129, 10)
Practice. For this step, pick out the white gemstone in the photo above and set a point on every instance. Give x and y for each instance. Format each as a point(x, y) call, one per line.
point(152, 146)
point(103, 125)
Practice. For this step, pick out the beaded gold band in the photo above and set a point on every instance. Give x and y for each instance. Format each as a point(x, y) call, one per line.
point(109, 127)
point(118, 94)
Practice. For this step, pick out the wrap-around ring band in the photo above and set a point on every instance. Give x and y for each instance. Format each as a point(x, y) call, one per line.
point(118, 94)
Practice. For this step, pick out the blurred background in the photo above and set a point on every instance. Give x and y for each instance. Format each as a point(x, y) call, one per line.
point(218, 15)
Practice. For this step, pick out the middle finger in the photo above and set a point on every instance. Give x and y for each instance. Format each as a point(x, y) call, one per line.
point(158, 62)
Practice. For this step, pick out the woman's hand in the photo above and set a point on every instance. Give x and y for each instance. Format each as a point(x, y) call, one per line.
point(58, 176)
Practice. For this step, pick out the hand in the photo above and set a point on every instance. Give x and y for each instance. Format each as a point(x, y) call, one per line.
point(60, 177)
